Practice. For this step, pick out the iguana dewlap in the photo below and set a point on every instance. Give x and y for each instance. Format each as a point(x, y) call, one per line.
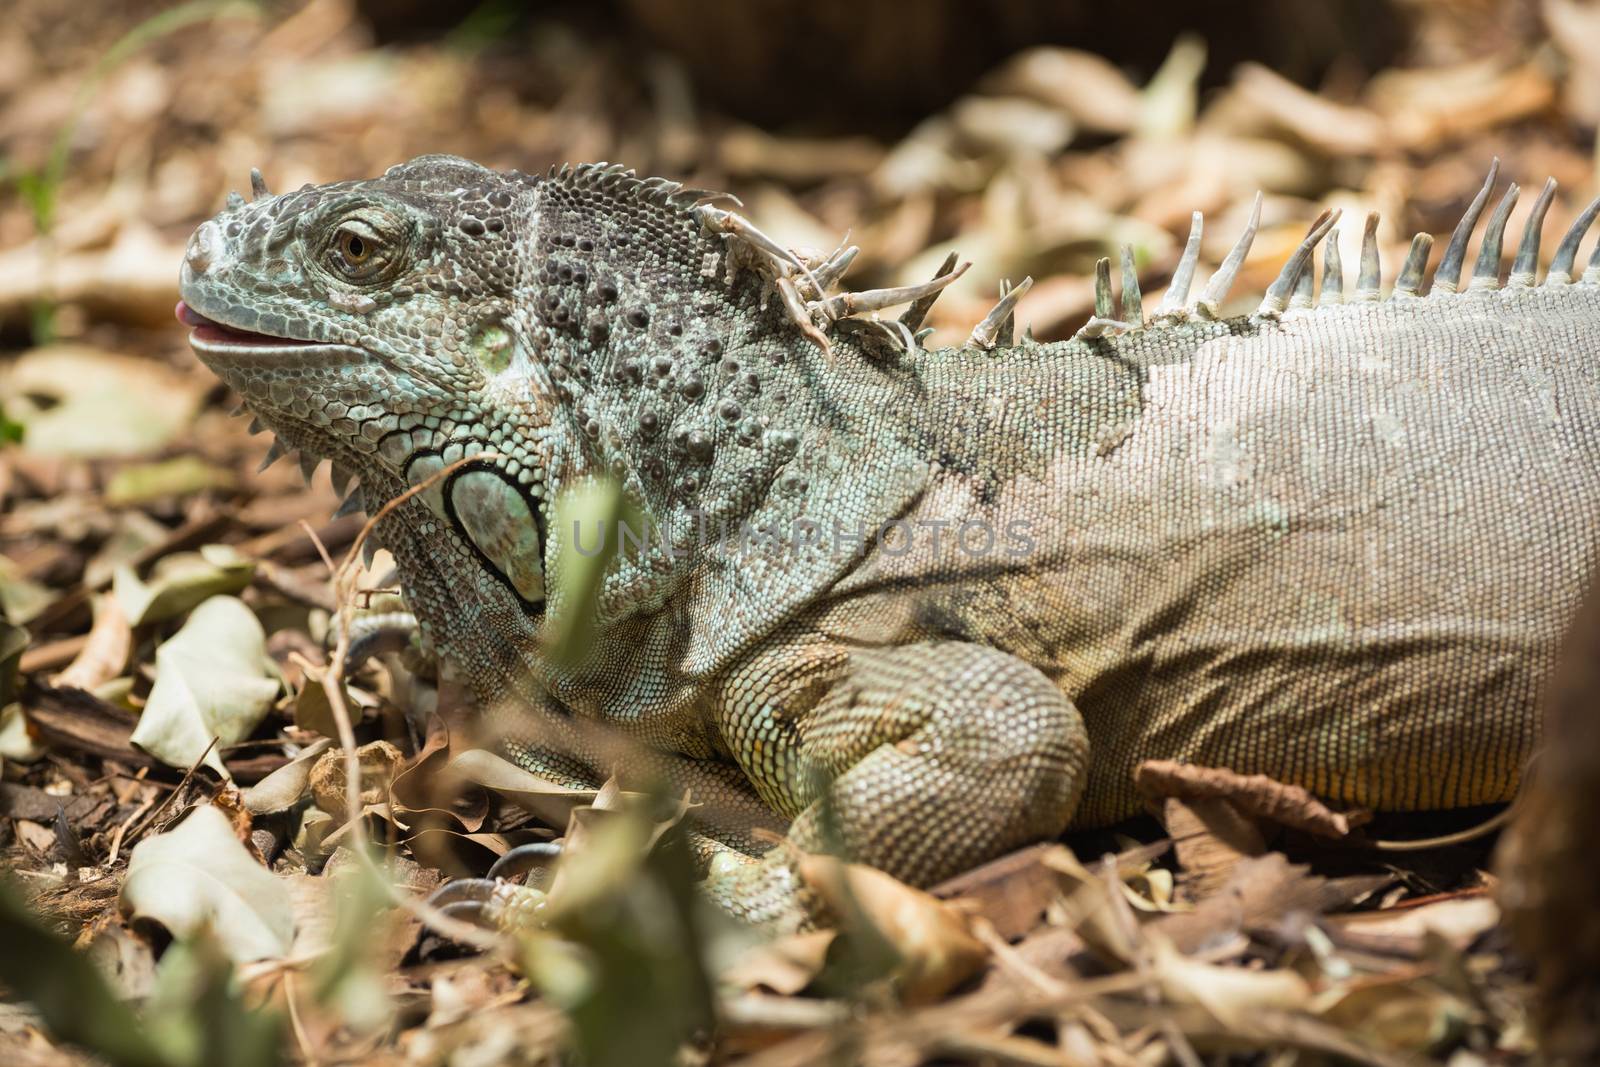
point(1335, 544)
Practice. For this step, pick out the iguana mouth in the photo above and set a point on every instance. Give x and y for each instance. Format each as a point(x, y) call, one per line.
point(209, 335)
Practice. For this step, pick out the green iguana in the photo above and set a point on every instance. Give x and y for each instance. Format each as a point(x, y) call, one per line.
point(948, 598)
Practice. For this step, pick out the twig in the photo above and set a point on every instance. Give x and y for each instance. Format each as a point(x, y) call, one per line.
point(122, 828)
point(134, 835)
point(301, 1038)
point(343, 583)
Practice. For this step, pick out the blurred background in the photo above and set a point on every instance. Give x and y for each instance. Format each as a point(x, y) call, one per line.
point(1032, 136)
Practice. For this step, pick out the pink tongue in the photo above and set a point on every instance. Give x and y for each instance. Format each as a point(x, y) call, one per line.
point(189, 316)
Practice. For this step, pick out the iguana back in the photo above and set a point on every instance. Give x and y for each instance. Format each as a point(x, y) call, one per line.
point(1339, 549)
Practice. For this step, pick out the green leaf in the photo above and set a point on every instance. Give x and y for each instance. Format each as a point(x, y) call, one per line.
point(347, 976)
point(76, 1003)
point(198, 1014)
point(177, 477)
point(639, 988)
point(10, 429)
point(587, 542)
point(21, 598)
point(213, 679)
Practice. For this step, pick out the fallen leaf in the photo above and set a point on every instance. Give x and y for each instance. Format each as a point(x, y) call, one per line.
point(200, 875)
point(1335, 129)
point(785, 965)
point(71, 995)
point(1087, 87)
point(937, 951)
point(132, 280)
point(552, 803)
point(378, 760)
point(179, 476)
point(1459, 920)
point(105, 653)
point(1575, 31)
point(1011, 125)
point(1257, 795)
point(1408, 1015)
point(15, 743)
point(1230, 994)
point(180, 581)
point(99, 403)
point(286, 786)
point(213, 679)
point(21, 598)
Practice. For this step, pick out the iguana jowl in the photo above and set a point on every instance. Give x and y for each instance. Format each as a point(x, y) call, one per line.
point(1335, 544)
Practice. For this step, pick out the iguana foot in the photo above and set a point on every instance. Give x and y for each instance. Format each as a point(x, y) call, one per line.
point(921, 760)
point(496, 900)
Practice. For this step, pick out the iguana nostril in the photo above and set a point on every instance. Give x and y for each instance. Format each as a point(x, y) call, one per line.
point(203, 248)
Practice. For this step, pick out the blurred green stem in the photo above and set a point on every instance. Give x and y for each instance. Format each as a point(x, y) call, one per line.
point(41, 189)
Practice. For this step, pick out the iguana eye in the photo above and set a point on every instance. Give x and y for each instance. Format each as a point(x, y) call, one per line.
point(359, 253)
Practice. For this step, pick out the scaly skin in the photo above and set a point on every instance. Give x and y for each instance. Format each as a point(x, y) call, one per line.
point(1337, 546)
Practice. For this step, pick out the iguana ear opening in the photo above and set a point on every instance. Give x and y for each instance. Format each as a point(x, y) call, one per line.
point(499, 521)
point(494, 515)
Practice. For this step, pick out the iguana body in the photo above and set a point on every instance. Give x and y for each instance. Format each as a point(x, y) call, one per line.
point(1337, 546)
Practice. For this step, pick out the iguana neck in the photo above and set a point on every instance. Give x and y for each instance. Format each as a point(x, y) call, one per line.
point(670, 373)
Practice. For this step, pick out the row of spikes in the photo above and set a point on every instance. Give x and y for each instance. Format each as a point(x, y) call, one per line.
point(803, 284)
point(1293, 287)
point(345, 484)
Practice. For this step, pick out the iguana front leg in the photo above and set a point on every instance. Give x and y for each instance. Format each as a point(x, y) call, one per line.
point(922, 760)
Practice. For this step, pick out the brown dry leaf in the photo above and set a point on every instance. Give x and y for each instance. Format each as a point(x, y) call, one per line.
point(379, 762)
point(1088, 88)
point(122, 956)
point(1102, 918)
point(1408, 1014)
point(552, 803)
point(1217, 818)
point(1429, 107)
point(1229, 993)
point(746, 150)
point(1011, 125)
point(1575, 30)
point(936, 946)
point(1256, 794)
point(1260, 892)
point(313, 712)
point(1458, 920)
point(131, 281)
point(106, 651)
point(785, 965)
point(1011, 892)
point(1334, 129)
point(1210, 836)
point(284, 787)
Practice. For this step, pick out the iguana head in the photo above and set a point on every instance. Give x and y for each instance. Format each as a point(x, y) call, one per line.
point(558, 328)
